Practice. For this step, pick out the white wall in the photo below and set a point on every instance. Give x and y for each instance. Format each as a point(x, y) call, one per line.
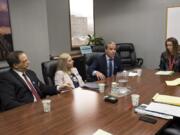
point(142, 22)
point(30, 30)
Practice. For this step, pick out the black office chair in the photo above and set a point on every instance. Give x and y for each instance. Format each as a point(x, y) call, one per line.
point(127, 54)
point(171, 131)
point(89, 58)
point(171, 128)
point(48, 71)
point(98, 48)
point(4, 69)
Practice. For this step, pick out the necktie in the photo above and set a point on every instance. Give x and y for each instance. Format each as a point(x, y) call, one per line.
point(31, 88)
point(110, 68)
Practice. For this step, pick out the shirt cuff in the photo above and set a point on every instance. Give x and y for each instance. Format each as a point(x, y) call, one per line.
point(58, 88)
point(94, 73)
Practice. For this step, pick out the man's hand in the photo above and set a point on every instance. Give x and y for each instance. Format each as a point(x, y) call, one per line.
point(100, 76)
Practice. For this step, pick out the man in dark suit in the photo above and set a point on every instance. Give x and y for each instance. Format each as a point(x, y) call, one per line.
point(20, 85)
point(106, 65)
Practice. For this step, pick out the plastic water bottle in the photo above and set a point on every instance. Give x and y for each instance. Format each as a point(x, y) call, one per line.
point(125, 74)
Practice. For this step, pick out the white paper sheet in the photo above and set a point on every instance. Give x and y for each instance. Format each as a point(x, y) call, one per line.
point(164, 108)
point(133, 74)
point(164, 72)
point(101, 132)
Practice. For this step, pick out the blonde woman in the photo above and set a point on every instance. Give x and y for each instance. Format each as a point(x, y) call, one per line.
point(67, 76)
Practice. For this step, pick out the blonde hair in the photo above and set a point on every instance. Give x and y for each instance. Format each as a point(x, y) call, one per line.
point(62, 62)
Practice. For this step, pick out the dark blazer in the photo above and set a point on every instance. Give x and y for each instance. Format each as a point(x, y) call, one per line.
point(164, 62)
point(14, 91)
point(100, 64)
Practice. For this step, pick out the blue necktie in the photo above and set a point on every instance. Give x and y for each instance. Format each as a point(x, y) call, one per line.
point(110, 68)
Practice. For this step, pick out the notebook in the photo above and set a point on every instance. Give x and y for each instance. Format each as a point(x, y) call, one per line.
point(167, 99)
point(173, 82)
point(164, 109)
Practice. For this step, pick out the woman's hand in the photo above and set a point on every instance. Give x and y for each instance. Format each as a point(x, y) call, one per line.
point(67, 86)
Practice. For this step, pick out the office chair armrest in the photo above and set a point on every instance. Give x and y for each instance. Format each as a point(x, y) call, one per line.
point(139, 62)
point(172, 131)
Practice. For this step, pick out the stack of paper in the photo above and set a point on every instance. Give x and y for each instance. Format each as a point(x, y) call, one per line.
point(167, 99)
point(173, 82)
point(164, 72)
point(141, 109)
point(101, 132)
point(164, 109)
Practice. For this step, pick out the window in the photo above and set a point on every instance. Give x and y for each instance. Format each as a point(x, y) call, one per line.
point(82, 21)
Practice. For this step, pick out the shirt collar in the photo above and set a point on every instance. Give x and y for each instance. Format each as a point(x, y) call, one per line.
point(108, 58)
point(18, 72)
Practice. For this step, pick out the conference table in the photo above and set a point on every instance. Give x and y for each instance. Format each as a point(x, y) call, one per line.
point(83, 112)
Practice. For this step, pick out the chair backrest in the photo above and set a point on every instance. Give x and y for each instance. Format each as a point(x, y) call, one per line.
point(89, 58)
point(48, 71)
point(4, 69)
point(98, 48)
point(127, 54)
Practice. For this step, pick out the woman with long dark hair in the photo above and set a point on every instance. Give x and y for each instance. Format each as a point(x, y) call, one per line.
point(170, 59)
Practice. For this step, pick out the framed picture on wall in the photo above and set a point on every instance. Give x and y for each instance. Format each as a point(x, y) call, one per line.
point(6, 44)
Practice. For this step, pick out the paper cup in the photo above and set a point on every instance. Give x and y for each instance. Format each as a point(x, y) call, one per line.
point(135, 99)
point(46, 105)
point(114, 85)
point(101, 87)
point(139, 72)
point(125, 74)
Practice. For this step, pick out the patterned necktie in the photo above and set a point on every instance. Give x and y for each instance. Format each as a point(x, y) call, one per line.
point(110, 68)
point(31, 88)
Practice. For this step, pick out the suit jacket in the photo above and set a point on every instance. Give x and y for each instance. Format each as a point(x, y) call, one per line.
point(100, 64)
point(164, 62)
point(62, 78)
point(14, 91)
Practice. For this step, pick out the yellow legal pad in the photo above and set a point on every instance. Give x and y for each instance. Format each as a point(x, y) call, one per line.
point(173, 82)
point(167, 99)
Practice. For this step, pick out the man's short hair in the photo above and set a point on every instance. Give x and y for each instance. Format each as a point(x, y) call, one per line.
point(13, 58)
point(109, 43)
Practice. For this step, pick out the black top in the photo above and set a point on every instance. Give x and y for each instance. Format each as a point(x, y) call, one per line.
point(166, 63)
point(74, 80)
